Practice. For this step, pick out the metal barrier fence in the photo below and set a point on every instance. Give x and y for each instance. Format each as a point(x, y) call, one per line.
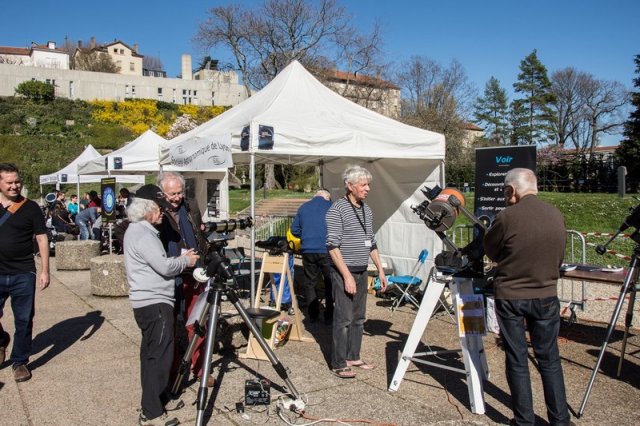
point(271, 226)
point(575, 252)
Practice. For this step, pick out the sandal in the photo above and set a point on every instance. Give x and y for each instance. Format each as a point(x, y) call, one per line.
point(344, 373)
point(361, 364)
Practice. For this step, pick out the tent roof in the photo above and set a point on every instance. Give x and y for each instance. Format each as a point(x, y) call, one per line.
point(71, 171)
point(137, 156)
point(310, 122)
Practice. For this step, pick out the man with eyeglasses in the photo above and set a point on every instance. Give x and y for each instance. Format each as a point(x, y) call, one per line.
point(180, 231)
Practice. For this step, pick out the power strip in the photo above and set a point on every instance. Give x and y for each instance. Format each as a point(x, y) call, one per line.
point(290, 404)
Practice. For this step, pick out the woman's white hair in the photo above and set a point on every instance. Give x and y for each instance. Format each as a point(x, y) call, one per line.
point(354, 174)
point(139, 208)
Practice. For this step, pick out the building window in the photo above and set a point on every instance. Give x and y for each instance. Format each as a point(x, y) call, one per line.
point(159, 93)
point(122, 51)
point(133, 91)
point(174, 96)
point(115, 50)
point(126, 91)
point(119, 64)
point(70, 89)
point(132, 66)
point(213, 102)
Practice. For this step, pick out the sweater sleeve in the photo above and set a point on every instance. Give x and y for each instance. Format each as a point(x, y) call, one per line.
point(334, 228)
point(155, 256)
point(493, 239)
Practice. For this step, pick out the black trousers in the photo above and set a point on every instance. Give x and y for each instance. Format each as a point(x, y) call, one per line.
point(156, 355)
point(315, 265)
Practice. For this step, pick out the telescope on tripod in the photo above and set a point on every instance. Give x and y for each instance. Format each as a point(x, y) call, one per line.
point(629, 286)
point(218, 274)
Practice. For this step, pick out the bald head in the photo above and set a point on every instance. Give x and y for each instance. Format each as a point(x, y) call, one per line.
point(324, 194)
point(519, 182)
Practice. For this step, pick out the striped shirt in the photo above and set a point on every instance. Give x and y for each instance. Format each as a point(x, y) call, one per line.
point(349, 228)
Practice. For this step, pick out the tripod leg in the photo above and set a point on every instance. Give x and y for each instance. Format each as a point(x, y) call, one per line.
point(201, 399)
point(277, 365)
point(612, 325)
point(185, 363)
point(627, 324)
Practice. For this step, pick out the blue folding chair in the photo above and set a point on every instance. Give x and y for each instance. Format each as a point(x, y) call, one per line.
point(404, 287)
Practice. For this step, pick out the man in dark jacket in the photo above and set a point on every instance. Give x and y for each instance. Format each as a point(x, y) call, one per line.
point(527, 240)
point(310, 225)
point(180, 231)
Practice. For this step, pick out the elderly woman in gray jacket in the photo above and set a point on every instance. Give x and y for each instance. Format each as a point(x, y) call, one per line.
point(150, 272)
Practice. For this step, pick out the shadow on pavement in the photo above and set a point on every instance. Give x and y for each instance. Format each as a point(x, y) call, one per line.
point(63, 335)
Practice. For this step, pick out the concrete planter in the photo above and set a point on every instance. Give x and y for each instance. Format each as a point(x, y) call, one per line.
point(75, 255)
point(108, 276)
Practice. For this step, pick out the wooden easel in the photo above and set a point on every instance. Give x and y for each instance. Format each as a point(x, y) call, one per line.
point(278, 264)
point(475, 369)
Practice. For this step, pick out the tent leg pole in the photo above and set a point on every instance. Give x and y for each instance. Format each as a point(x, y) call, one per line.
point(252, 176)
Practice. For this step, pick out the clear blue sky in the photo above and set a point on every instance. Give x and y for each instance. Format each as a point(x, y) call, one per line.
point(488, 37)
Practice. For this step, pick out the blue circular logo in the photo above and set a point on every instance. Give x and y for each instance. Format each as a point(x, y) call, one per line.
point(108, 200)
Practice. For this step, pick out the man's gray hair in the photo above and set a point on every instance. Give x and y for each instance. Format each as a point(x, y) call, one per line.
point(167, 176)
point(139, 208)
point(354, 174)
point(522, 180)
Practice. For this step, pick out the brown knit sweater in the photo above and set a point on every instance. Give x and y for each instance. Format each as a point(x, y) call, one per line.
point(527, 240)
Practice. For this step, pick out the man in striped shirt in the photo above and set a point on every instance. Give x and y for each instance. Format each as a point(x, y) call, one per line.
point(351, 241)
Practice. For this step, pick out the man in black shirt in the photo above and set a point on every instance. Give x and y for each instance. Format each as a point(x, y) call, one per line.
point(20, 220)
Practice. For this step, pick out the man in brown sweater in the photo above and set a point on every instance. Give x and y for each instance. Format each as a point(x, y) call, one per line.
point(527, 241)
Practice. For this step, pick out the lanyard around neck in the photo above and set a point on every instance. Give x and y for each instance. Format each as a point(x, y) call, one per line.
point(363, 222)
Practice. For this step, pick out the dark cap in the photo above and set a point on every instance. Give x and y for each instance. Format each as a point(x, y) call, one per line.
point(153, 193)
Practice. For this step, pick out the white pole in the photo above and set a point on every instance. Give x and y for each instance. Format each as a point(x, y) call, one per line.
point(252, 190)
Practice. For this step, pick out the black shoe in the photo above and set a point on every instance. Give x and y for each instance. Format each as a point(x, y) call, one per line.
point(314, 310)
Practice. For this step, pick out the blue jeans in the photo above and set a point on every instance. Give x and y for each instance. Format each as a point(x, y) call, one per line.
point(85, 230)
point(21, 288)
point(542, 318)
point(348, 319)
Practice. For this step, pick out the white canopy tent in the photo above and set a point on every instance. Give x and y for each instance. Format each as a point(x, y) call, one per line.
point(311, 124)
point(69, 173)
point(140, 156)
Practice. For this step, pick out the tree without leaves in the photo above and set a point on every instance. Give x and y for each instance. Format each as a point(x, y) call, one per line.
point(95, 61)
point(492, 110)
point(263, 41)
point(152, 63)
point(436, 99)
point(628, 153)
point(534, 84)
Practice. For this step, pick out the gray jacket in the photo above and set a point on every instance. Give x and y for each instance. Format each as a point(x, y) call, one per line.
point(149, 272)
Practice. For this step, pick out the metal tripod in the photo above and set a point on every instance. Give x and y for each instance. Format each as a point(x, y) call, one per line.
point(629, 286)
point(212, 308)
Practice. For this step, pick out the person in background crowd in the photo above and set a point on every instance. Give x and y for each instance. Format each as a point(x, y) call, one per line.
point(85, 201)
point(20, 220)
point(351, 241)
point(73, 207)
point(310, 225)
point(182, 230)
point(85, 220)
point(527, 240)
point(125, 197)
point(94, 200)
point(152, 295)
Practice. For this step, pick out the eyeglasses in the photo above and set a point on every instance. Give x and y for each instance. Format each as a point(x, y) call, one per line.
point(174, 194)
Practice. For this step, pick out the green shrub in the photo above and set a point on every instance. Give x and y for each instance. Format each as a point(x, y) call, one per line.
point(36, 91)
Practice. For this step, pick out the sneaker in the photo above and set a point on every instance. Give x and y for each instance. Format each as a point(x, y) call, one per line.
point(174, 404)
point(21, 373)
point(4, 342)
point(162, 420)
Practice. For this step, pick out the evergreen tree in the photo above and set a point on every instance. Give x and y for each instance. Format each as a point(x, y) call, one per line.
point(491, 110)
point(518, 124)
point(533, 83)
point(628, 153)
